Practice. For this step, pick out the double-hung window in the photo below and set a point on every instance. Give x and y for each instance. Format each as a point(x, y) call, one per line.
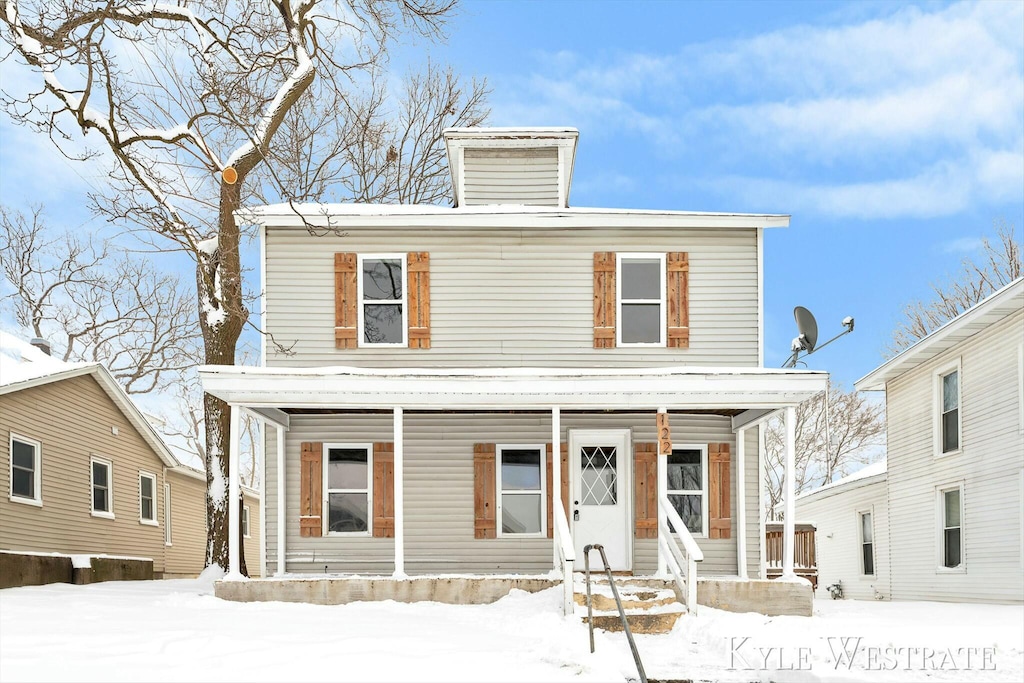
point(245, 521)
point(687, 484)
point(101, 476)
point(347, 470)
point(521, 485)
point(951, 509)
point(147, 498)
point(948, 419)
point(867, 544)
point(641, 300)
point(25, 470)
point(382, 304)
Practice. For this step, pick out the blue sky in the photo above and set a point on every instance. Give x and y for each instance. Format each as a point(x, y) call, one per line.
point(893, 134)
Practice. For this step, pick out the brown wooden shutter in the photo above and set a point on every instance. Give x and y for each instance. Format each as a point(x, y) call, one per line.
point(346, 301)
point(719, 507)
point(384, 490)
point(565, 487)
point(484, 495)
point(419, 299)
point(678, 300)
point(645, 478)
point(311, 475)
point(604, 300)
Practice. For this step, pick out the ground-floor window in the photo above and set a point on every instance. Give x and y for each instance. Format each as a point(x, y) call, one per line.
point(347, 486)
point(101, 473)
point(245, 521)
point(147, 498)
point(687, 484)
point(867, 544)
point(951, 531)
point(521, 485)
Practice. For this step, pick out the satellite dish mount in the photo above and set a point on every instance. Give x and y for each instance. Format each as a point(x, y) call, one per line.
point(807, 338)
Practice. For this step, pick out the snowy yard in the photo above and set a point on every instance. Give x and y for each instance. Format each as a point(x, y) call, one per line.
point(177, 630)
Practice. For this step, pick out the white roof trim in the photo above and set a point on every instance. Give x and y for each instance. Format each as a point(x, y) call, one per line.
point(992, 309)
point(117, 395)
point(378, 216)
point(851, 482)
point(511, 388)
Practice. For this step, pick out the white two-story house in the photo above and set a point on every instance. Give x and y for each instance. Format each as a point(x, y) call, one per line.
point(480, 389)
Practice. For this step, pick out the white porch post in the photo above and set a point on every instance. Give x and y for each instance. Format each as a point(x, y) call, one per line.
point(399, 494)
point(556, 478)
point(741, 503)
point(280, 500)
point(662, 488)
point(234, 434)
point(788, 522)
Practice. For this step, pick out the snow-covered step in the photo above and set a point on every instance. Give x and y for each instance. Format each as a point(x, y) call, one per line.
point(651, 606)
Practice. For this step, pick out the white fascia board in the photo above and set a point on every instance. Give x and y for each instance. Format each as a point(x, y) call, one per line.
point(751, 418)
point(840, 487)
point(276, 417)
point(352, 216)
point(1006, 301)
point(477, 391)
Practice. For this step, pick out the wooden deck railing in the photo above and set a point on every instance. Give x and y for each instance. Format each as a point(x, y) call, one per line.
point(805, 561)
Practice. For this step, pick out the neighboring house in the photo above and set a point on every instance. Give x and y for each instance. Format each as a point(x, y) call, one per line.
point(851, 518)
point(947, 514)
point(438, 356)
point(84, 473)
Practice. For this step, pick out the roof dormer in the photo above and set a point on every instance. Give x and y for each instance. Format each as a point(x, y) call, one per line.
point(526, 166)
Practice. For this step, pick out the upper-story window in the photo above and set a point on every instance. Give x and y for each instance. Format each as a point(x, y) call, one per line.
point(382, 303)
point(948, 422)
point(641, 299)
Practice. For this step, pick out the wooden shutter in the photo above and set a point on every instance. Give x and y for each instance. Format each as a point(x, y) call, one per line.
point(418, 280)
point(384, 490)
point(604, 300)
point(678, 299)
point(484, 495)
point(719, 508)
point(311, 475)
point(346, 301)
point(645, 479)
point(565, 487)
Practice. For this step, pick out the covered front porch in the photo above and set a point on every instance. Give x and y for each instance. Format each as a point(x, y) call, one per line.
point(662, 467)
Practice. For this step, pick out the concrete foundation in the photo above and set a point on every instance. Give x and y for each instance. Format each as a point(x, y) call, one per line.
point(37, 570)
point(342, 590)
point(772, 598)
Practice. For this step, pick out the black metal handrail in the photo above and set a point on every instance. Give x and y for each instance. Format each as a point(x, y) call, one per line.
point(618, 603)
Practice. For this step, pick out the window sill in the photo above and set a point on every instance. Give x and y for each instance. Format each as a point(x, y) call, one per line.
point(168, 545)
point(36, 502)
point(149, 522)
point(246, 536)
point(400, 345)
point(350, 534)
point(542, 534)
point(104, 515)
point(641, 345)
point(940, 454)
point(951, 570)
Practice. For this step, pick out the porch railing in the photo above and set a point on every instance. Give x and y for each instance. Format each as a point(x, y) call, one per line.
point(679, 552)
point(805, 560)
point(567, 555)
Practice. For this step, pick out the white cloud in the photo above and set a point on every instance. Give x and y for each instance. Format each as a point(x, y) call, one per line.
point(917, 113)
point(962, 245)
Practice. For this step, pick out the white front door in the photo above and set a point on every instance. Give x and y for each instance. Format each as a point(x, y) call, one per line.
point(600, 495)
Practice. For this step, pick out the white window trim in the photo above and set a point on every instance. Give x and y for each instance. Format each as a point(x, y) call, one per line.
point(953, 366)
point(168, 538)
point(543, 449)
point(618, 300)
point(110, 488)
point(37, 471)
point(704, 494)
point(1020, 391)
point(874, 544)
point(940, 526)
point(360, 331)
point(325, 509)
point(246, 522)
point(142, 520)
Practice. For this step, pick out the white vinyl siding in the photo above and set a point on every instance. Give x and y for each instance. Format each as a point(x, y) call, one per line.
point(25, 470)
point(514, 298)
point(439, 517)
point(526, 176)
point(991, 445)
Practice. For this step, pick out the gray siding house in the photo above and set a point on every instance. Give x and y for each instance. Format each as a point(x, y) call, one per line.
point(955, 480)
point(489, 387)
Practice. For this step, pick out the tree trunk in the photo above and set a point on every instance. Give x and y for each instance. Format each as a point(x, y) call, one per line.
point(222, 316)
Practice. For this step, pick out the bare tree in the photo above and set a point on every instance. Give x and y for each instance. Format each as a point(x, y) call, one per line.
point(831, 440)
point(185, 101)
point(998, 265)
point(96, 303)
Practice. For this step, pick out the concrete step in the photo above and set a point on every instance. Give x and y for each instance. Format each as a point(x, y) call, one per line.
point(643, 623)
point(636, 601)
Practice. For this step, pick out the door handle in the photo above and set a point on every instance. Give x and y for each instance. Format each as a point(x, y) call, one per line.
point(575, 515)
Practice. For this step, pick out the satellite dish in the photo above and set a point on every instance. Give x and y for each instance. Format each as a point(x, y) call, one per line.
point(807, 326)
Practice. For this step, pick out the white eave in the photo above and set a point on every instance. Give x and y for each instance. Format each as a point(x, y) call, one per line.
point(382, 216)
point(676, 388)
point(992, 309)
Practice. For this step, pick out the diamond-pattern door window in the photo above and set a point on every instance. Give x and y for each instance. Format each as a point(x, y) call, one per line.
point(599, 475)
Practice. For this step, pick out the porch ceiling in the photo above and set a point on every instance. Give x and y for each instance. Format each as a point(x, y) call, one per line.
point(673, 388)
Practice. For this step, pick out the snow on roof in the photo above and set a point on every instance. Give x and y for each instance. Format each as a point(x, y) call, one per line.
point(22, 362)
point(872, 470)
point(511, 131)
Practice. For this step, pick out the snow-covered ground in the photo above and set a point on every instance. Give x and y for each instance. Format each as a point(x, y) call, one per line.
point(177, 630)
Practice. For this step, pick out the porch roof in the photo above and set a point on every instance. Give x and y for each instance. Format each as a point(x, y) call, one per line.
point(672, 388)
